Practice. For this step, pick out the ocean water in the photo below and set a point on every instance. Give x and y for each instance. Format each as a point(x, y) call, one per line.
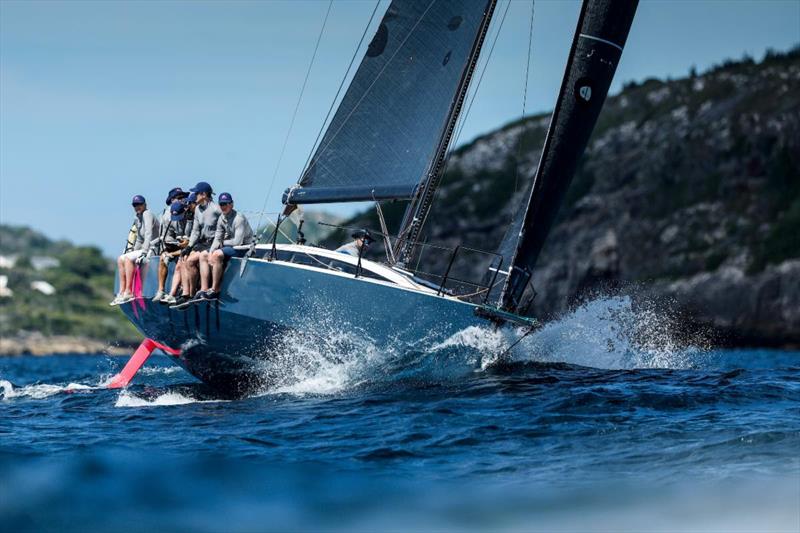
point(606, 420)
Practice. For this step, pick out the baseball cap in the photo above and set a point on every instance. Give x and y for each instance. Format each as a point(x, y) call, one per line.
point(177, 211)
point(202, 186)
point(192, 198)
point(138, 199)
point(362, 234)
point(225, 198)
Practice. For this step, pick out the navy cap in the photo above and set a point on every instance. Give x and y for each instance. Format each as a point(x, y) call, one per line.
point(362, 234)
point(138, 199)
point(175, 193)
point(192, 198)
point(202, 186)
point(225, 198)
point(177, 211)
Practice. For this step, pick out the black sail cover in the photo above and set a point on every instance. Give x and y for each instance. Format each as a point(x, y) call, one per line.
point(386, 129)
point(602, 30)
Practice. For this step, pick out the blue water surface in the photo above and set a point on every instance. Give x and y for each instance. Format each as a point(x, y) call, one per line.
point(652, 437)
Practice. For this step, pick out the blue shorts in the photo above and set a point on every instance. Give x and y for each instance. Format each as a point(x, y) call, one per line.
point(230, 251)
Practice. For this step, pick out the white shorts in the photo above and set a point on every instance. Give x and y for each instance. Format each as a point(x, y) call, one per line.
point(134, 255)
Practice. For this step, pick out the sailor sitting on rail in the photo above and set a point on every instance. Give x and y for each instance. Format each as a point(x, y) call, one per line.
point(206, 215)
point(146, 232)
point(169, 238)
point(175, 241)
point(233, 229)
point(361, 241)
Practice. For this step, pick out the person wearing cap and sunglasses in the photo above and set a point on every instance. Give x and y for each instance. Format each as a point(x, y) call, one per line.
point(176, 193)
point(146, 233)
point(174, 241)
point(204, 228)
point(233, 229)
point(361, 240)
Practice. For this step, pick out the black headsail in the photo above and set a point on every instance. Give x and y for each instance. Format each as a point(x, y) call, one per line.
point(384, 135)
point(603, 28)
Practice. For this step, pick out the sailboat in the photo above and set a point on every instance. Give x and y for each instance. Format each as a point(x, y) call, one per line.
point(388, 141)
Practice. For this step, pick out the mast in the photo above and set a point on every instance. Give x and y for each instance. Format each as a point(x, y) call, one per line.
point(420, 205)
point(600, 36)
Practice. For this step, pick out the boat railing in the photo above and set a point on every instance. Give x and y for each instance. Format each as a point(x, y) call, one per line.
point(464, 272)
point(467, 273)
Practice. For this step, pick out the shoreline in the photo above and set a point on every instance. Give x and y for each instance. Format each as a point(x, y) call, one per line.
point(64, 345)
point(41, 345)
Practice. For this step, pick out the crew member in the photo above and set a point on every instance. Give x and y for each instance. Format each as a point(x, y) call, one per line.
point(233, 229)
point(204, 228)
point(146, 233)
point(359, 245)
point(174, 241)
point(191, 203)
point(176, 193)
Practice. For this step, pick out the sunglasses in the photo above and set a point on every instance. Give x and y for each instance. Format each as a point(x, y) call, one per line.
point(135, 205)
point(222, 204)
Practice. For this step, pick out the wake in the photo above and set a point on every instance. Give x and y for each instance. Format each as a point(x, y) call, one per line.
point(609, 333)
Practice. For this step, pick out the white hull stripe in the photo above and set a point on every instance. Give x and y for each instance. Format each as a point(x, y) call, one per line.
point(592, 37)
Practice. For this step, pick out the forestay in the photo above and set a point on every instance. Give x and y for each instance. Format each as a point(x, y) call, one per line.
point(385, 131)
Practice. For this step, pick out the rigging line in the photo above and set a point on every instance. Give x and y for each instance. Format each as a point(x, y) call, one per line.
point(377, 77)
point(339, 90)
point(296, 107)
point(531, 329)
point(524, 103)
point(483, 71)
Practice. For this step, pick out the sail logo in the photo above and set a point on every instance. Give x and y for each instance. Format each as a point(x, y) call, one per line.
point(583, 90)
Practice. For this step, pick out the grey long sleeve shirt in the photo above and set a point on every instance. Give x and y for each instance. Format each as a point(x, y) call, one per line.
point(204, 228)
point(233, 229)
point(174, 231)
point(147, 227)
point(171, 232)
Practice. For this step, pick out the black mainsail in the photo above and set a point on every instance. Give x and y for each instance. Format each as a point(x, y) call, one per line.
point(602, 30)
point(383, 138)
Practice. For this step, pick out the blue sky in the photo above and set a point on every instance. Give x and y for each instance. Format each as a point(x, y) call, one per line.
point(103, 100)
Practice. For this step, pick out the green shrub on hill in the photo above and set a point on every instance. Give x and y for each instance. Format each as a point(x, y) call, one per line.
point(83, 283)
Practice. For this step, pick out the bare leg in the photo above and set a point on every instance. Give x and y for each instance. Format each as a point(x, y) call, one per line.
point(123, 283)
point(217, 268)
point(189, 276)
point(176, 277)
point(163, 270)
point(205, 271)
point(129, 266)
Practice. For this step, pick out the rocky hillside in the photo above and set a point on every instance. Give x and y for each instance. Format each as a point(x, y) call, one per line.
point(689, 191)
point(54, 296)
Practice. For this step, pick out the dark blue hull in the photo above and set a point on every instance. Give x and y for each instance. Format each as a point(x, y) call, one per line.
point(225, 343)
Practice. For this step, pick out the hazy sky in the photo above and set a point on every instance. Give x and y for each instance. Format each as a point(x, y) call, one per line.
point(103, 100)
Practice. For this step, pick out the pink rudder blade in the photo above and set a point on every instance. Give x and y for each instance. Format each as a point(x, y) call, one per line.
point(133, 365)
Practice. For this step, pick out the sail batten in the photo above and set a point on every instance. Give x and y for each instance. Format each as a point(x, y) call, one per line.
point(384, 134)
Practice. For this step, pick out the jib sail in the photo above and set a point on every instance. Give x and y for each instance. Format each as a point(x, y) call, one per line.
point(602, 30)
